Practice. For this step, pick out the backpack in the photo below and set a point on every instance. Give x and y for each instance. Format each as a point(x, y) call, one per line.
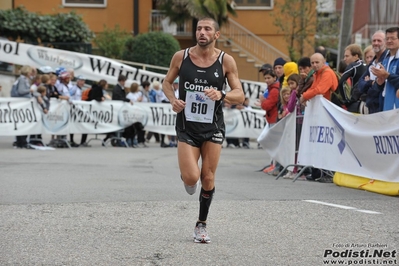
point(336, 97)
point(85, 94)
point(14, 89)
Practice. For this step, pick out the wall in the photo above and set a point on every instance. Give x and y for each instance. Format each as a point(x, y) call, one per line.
point(5, 4)
point(96, 18)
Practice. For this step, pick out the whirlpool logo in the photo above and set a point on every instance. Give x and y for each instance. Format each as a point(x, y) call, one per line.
point(56, 120)
point(55, 59)
point(231, 121)
point(127, 116)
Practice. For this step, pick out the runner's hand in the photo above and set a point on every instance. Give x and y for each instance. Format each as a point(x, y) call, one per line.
point(178, 105)
point(213, 94)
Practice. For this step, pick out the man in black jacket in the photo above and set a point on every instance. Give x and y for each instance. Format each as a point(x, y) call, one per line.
point(119, 90)
point(118, 94)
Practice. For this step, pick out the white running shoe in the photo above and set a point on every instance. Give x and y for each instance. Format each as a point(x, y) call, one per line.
point(200, 234)
point(190, 189)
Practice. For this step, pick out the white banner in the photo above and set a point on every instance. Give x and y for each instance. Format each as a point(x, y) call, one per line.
point(91, 66)
point(21, 116)
point(279, 140)
point(362, 145)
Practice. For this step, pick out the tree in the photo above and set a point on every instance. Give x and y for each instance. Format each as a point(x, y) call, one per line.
point(297, 21)
point(180, 11)
point(111, 42)
point(154, 48)
point(20, 25)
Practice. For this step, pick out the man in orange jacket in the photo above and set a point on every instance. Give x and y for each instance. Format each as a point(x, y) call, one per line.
point(325, 80)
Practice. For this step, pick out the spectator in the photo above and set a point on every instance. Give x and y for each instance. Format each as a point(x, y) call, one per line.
point(278, 68)
point(368, 54)
point(118, 94)
point(270, 105)
point(373, 96)
point(23, 90)
point(355, 68)
point(63, 85)
point(306, 73)
point(325, 80)
point(293, 83)
point(387, 75)
point(44, 101)
point(77, 96)
point(96, 92)
point(36, 82)
point(137, 129)
point(289, 68)
point(153, 98)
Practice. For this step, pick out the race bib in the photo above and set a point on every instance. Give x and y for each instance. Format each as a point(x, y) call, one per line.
point(199, 108)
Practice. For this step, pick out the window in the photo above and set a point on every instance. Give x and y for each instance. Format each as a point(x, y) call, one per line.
point(254, 4)
point(84, 3)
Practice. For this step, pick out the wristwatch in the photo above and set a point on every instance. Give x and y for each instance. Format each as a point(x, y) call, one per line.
point(223, 95)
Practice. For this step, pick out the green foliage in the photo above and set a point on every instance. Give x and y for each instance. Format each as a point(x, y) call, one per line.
point(296, 19)
point(180, 11)
point(154, 48)
point(328, 30)
point(19, 24)
point(111, 42)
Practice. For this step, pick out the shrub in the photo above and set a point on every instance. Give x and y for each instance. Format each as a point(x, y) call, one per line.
point(111, 42)
point(154, 48)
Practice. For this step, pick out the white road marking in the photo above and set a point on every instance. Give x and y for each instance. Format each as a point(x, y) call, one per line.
point(342, 206)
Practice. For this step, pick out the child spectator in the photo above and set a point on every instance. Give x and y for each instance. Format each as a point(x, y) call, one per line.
point(270, 104)
point(42, 99)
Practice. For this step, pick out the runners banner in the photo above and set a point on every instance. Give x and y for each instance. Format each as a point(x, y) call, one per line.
point(361, 145)
point(279, 140)
point(92, 67)
point(21, 116)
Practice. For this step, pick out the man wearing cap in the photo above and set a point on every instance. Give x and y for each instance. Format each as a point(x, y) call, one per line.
point(278, 68)
point(264, 68)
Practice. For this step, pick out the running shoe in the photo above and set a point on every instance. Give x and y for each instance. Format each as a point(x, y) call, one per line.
point(190, 189)
point(269, 169)
point(200, 234)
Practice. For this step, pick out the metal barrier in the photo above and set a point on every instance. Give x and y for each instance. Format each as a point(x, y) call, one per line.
point(325, 174)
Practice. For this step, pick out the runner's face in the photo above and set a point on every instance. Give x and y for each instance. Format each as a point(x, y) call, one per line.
point(206, 33)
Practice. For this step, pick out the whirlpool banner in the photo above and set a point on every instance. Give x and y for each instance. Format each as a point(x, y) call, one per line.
point(21, 116)
point(93, 67)
point(362, 145)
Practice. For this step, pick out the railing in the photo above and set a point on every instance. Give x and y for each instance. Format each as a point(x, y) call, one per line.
point(240, 37)
point(159, 22)
point(255, 47)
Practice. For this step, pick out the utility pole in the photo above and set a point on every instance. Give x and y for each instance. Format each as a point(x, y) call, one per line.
point(345, 38)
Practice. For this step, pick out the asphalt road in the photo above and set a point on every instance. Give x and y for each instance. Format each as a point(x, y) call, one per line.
point(119, 206)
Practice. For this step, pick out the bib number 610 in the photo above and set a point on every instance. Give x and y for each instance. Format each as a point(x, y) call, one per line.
point(199, 108)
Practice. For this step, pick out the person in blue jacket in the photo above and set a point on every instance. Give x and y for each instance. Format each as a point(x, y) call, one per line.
point(387, 73)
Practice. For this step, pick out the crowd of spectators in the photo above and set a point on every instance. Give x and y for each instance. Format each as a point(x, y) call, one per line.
point(366, 82)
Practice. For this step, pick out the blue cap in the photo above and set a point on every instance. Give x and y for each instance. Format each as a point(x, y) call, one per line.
point(176, 80)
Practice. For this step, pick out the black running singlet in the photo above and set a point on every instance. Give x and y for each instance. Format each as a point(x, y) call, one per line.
point(201, 113)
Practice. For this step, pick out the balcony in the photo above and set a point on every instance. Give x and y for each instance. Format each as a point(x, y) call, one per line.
point(160, 22)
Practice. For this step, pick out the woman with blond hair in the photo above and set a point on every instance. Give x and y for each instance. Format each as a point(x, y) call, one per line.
point(369, 54)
